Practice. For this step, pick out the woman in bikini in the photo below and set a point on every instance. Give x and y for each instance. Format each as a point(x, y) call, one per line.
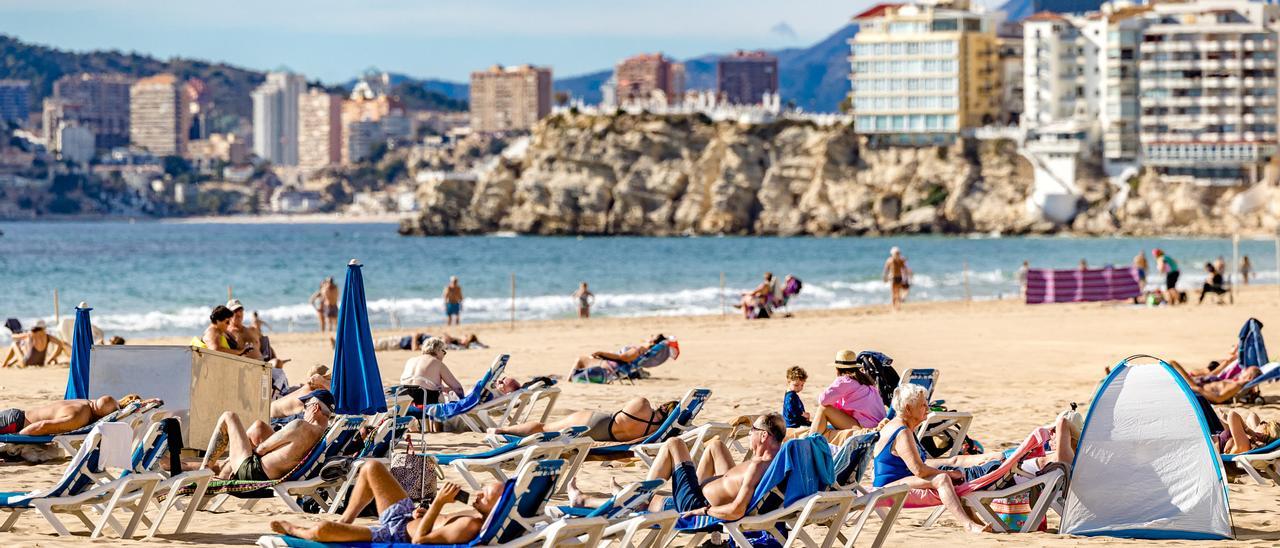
point(35, 348)
point(637, 419)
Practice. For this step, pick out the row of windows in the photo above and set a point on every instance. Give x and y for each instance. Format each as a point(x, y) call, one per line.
point(906, 122)
point(1212, 129)
point(899, 102)
point(906, 66)
point(1209, 111)
point(935, 47)
point(904, 84)
point(1202, 151)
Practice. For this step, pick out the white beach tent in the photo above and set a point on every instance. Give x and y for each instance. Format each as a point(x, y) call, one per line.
point(1145, 466)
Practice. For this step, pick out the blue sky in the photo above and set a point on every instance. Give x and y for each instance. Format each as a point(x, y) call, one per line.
point(335, 40)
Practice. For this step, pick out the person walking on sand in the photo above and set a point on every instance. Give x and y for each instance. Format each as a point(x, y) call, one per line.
point(585, 299)
point(898, 275)
point(1246, 269)
point(1140, 266)
point(453, 302)
point(1169, 267)
point(1022, 278)
point(325, 301)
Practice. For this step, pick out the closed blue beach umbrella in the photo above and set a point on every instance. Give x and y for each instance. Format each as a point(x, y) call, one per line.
point(357, 385)
point(81, 343)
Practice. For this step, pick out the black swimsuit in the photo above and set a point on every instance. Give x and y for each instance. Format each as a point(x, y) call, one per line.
point(648, 423)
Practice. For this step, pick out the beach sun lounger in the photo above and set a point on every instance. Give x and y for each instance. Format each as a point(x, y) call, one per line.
point(678, 423)
point(137, 414)
point(378, 445)
point(484, 407)
point(512, 522)
point(514, 454)
point(1256, 462)
point(77, 491)
point(631, 524)
point(851, 460)
point(148, 455)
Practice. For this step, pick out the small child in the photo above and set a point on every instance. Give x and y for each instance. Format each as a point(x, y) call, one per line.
point(792, 408)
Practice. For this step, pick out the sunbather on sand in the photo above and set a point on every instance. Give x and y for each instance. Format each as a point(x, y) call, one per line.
point(415, 340)
point(36, 347)
point(398, 520)
point(1217, 391)
point(257, 454)
point(1245, 430)
point(57, 418)
point(899, 457)
point(637, 419)
point(611, 361)
point(716, 486)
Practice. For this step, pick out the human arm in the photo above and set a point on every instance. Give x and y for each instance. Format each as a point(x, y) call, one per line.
point(834, 393)
point(907, 448)
point(58, 348)
point(277, 440)
point(884, 273)
point(65, 421)
point(447, 379)
point(737, 507)
point(454, 532)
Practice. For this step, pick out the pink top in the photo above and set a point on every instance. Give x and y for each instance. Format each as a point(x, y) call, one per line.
point(860, 401)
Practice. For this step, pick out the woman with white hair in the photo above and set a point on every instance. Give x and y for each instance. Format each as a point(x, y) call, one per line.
point(900, 459)
point(428, 376)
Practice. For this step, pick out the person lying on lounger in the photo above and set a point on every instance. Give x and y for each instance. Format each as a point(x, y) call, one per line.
point(1218, 391)
point(637, 419)
point(291, 403)
point(57, 418)
point(1245, 430)
point(257, 454)
point(414, 342)
point(716, 486)
point(611, 361)
point(399, 521)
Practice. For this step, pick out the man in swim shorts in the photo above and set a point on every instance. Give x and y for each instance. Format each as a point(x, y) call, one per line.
point(453, 302)
point(257, 454)
point(399, 521)
point(717, 487)
point(56, 418)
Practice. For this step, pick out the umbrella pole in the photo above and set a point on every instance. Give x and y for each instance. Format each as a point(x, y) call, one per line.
point(513, 301)
point(57, 314)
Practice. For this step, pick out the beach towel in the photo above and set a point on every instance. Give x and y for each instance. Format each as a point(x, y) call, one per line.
point(1032, 446)
point(1252, 351)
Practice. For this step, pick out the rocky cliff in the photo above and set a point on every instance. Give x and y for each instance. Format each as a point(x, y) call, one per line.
point(687, 175)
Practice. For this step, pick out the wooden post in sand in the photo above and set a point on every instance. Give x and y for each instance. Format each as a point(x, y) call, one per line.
point(229, 294)
point(964, 274)
point(57, 314)
point(513, 301)
point(724, 308)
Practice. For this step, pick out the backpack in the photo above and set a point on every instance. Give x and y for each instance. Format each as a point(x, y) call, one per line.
point(880, 368)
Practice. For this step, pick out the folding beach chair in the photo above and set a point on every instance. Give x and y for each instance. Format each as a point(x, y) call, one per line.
point(132, 414)
point(678, 423)
point(484, 407)
point(631, 524)
point(303, 482)
point(377, 446)
point(512, 522)
point(656, 355)
point(851, 459)
point(792, 495)
point(568, 445)
point(1257, 461)
point(77, 491)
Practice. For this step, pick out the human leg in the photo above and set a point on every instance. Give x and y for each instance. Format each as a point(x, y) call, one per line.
point(835, 417)
point(374, 483)
point(259, 432)
point(673, 452)
point(951, 501)
point(716, 459)
point(323, 531)
point(238, 445)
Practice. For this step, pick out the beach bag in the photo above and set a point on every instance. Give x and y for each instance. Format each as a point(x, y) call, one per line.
point(415, 472)
point(880, 367)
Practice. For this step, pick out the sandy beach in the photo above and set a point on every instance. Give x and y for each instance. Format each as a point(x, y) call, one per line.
point(1013, 366)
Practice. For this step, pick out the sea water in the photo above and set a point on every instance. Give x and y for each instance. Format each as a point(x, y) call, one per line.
point(152, 278)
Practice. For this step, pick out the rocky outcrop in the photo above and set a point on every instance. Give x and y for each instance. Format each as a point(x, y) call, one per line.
point(650, 175)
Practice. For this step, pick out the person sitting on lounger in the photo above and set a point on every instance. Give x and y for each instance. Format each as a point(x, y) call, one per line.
point(425, 377)
point(399, 521)
point(611, 361)
point(899, 457)
point(716, 486)
point(1217, 391)
point(37, 347)
point(637, 419)
point(851, 404)
point(1245, 431)
point(57, 418)
point(291, 403)
point(257, 454)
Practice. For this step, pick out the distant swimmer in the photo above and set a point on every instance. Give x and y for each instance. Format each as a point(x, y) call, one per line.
point(325, 301)
point(898, 274)
point(452, 302)
point(585, 299)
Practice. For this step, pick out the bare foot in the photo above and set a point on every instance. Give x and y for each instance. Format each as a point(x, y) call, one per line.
point(617, 487)
point(976, 528)
point(285, 528)
point(576, 498)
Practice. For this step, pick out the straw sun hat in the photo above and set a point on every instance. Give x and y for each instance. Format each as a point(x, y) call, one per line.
point(846, 359)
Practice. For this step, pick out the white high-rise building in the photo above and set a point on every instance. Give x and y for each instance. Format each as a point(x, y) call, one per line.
point(1062, 68)
point(275, 117)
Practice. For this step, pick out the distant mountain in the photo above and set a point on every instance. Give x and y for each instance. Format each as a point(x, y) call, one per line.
point(816, 78)
point(1017, 10)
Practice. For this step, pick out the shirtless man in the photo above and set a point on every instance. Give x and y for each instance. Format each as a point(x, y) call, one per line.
point(453, 302)
point(1218, 391)
point(33, 348)
point(248, 337)
point(275, 455)
point(637, 419)
point(56, 418)
point(898, 275)
point(295, 402)
point(325, 301)
point(398, 520)
point(716, 487)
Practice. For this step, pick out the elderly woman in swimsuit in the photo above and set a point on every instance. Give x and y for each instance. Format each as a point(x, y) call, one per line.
point(637, 419)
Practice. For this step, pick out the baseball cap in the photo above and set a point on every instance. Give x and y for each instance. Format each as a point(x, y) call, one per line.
point(234, 305)
point(322, 370)
point(325, 397)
